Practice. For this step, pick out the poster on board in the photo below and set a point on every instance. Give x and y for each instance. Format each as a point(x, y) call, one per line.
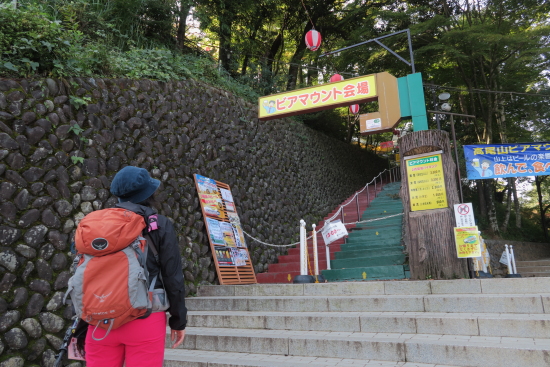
point(210, 197)
point(214, 231)
point(223, 255)
point(227, 233)
point(237, 229)
point(426, 181)
point(239, 256)
point(467, 242)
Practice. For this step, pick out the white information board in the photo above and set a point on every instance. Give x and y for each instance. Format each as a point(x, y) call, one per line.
point(464, 215)
point(334, 231)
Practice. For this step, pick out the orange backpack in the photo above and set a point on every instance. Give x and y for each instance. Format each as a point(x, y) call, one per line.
point(110, 286)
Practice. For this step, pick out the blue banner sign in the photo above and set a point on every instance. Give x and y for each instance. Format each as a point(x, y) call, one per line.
point(507, 160)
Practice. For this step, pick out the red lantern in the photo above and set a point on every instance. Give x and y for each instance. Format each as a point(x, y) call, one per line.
point(354, 108)
point(313, 40)
point(336, 78)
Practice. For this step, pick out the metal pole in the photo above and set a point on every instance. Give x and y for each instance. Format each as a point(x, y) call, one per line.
point(357, 203)
point(303, 244)
point(508, 260)
point(375, 190)
point(328, 257)
point(411, 50)
point(456, 158)
point(368, 196)
point(343, 221)
point(315, 255)
point(513, 259)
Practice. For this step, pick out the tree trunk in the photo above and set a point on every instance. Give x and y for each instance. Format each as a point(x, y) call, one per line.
point(185, 7)
point(504, 226)
point(225, 33)
point(429, 237)
point(516, 203)
point(481, 197)
point(492, 210)
point(541, 208)
point(296, 60)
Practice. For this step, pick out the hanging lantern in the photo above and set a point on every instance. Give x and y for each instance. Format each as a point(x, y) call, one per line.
point(354, 108)
point(336, 78)
point(313, 40)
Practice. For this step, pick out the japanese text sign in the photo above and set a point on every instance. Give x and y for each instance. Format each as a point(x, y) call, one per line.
point(507, 160)
point(426, 182)
point(467, 242)
point(334, 231)
point(330, 95)
point(464, 215)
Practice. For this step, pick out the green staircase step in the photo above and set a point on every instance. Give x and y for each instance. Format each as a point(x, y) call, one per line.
point(366, 252)
point(369, 245)
point(370, 238)
point(357, 262)
point(365, 273)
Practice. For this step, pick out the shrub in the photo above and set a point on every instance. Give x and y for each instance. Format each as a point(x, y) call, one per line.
point(32, 43)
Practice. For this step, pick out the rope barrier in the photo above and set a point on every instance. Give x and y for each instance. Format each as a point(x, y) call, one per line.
point(331, 218)
point(297, 243)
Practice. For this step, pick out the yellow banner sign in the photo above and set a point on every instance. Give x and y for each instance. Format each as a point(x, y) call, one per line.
point(330, 95)
point(426, 182)
point(467, 242)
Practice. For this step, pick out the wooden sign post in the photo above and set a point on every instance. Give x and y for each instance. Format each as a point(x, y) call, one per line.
point(429, 192)
point(226, 236)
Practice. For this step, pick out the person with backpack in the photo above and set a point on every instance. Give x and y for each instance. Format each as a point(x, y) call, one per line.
point(128, 274)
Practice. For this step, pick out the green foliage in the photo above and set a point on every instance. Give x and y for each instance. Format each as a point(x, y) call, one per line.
point(31, 42)
point(78, 102)
point(161, 64)
point(75, 159)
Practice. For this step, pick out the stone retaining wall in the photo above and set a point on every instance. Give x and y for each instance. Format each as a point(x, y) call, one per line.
point(523, 251)
point(61, 142)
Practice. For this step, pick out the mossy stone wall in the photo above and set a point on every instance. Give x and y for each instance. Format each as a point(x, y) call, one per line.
point(280, 171)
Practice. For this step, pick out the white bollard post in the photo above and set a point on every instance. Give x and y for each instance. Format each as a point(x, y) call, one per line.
point(509, 263)
point(513, 260)
point(303, 244)
point(315, 254)
point(328, 257)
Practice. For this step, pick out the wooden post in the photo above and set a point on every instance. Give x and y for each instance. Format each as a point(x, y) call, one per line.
point(429, 237)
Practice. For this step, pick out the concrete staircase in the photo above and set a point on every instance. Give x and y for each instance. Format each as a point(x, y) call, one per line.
point(535, 268)
point(373, 250)
point(488, 322)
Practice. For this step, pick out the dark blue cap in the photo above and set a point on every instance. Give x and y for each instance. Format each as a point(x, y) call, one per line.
point(133, 184)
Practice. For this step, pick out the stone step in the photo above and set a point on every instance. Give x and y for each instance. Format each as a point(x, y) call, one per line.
point(451, 288)
point(533, 269)
point(482, 324)
point(542, 262)
point(368, 251)
point(365, 273)
point(398, 347)
point(485, 303)
point(198, 358)
point(534, 274)
point(397, 259)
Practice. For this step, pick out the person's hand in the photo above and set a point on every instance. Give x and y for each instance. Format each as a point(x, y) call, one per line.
point(177, 336)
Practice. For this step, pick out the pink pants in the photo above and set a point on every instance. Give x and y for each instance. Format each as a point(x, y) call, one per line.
point(139, 343)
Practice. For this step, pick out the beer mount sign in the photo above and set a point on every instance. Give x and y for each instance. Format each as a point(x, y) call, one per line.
point(398, 98)
point(507, 160)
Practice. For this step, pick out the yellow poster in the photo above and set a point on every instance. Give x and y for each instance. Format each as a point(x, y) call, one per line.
point(319, 97)
point(467, 242)
point(426, 182)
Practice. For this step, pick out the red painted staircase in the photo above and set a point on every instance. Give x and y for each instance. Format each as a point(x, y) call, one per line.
point(288, 266)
